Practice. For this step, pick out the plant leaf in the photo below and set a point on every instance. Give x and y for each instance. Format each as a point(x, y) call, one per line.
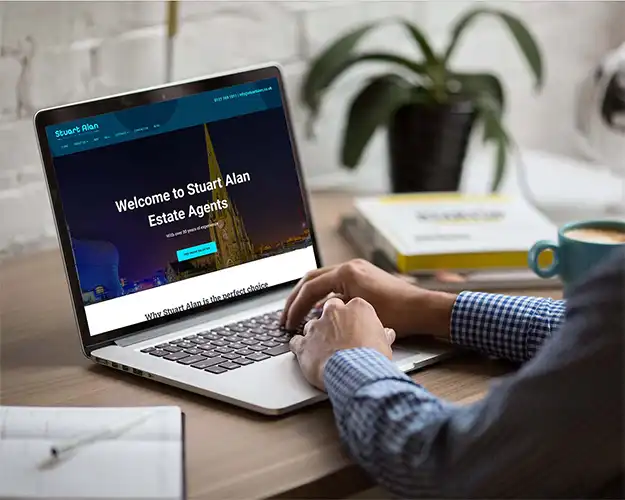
point(500, 165)
point(494, 131)
point(419, 38)
point(415, 67)
point(488, 110)
point(328, 64)
point(525, 41)
point(370, 109)
point(314, 92)
point(479, 85)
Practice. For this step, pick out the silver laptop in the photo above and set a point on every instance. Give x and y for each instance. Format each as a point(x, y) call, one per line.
point(183, 222)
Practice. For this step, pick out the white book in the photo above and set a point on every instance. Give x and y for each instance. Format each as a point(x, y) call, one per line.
point(453, 231)
point(101, 453)
point(488, 280)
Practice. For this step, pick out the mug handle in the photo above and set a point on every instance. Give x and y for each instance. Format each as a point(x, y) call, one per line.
point(532, 258)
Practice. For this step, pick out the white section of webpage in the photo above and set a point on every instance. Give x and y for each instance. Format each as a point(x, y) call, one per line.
point(131, 309)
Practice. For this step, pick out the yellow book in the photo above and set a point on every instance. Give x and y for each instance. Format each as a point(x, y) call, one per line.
point(428, 231)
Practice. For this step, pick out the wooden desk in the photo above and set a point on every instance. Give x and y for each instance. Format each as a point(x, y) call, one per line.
point(231, 453)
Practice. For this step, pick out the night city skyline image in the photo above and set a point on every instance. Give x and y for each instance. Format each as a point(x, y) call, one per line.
point(118, 252)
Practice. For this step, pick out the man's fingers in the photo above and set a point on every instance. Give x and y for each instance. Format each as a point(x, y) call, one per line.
point(306, 297)
point(332, 303)
point(319, 305)
point(309, 326)
point(390, 335)
point(309, 276)
point(296, 344)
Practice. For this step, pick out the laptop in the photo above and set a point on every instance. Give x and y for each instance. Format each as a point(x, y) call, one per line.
point(183, 221)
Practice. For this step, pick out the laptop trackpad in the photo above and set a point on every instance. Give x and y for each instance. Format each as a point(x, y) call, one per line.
point(415, 353)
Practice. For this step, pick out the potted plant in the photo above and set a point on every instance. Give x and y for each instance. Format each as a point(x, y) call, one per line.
point(429, 108)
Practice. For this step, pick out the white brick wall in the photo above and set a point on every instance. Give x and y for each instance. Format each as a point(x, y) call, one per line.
point(55, 52)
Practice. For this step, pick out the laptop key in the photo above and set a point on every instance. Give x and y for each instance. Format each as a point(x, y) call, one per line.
point(283, 338)
point(230, 365)
point(216, 370)
point(202, 365)
point(223, 350)
point(158, 353)
point(218, 343)
point(193, 351)
point(257, 356)
point(281, 349)
point(245, 352)
point(206, 348)
point(223, 332)
point(148, 349)
point(230, 355)
point(236, 345)
point(245, 335)
point(269, 343)
point(160, 346)
point(175, 356)
point(171, 348)
point(257, 348)
point(199, 340)
point(183, 343)
point(243, 361)
point(210, 336)
point(191, 359)
point(262, 338)
point(249, 342)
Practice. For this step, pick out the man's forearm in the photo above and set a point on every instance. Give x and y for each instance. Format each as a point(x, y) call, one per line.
point(388, 422)
point(431, 310)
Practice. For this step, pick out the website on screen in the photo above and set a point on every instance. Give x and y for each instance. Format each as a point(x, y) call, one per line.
point(179, 204)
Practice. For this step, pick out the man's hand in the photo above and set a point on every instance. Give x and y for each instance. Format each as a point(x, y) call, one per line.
point(405, 308)
point(341, 326)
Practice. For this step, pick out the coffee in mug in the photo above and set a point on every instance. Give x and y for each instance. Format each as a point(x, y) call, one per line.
point(596, 235)
point(580, 247)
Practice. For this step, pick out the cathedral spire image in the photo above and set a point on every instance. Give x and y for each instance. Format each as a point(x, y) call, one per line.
point(227, 228)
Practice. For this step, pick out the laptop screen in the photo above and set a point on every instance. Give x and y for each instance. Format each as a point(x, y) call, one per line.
point(178, 204)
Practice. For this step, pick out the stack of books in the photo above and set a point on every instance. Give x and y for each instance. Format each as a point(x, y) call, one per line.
point(451, 241)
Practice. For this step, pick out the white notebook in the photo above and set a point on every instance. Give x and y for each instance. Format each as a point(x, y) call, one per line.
point(103, 453)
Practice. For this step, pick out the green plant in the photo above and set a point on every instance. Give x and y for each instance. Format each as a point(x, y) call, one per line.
point(429, 80)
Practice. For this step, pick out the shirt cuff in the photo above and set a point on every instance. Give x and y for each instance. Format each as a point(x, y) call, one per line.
point(509, 327)
point(347, 371)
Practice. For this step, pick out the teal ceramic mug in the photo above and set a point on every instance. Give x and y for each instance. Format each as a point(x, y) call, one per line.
point(580, 247)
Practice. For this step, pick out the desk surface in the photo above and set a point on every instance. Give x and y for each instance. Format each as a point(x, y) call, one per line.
point(231, 453)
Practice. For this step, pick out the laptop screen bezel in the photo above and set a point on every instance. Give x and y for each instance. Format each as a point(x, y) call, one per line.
point(101, 106)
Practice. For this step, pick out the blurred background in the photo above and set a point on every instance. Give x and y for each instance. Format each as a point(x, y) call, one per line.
point(57, 52)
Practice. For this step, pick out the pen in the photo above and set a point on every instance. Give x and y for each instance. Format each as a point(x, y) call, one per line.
point(58, 450)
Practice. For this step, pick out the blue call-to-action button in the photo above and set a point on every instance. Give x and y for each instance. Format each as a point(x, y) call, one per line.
point(196, 251)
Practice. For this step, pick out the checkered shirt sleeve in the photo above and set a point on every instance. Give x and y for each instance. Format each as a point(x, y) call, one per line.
point(502, 326)
point(385, 419)
point(391, 425)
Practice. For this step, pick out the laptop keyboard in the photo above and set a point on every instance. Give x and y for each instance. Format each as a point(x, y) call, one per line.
point(231, 346)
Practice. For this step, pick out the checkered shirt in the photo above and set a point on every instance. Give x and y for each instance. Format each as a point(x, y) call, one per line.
point(392, 426)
